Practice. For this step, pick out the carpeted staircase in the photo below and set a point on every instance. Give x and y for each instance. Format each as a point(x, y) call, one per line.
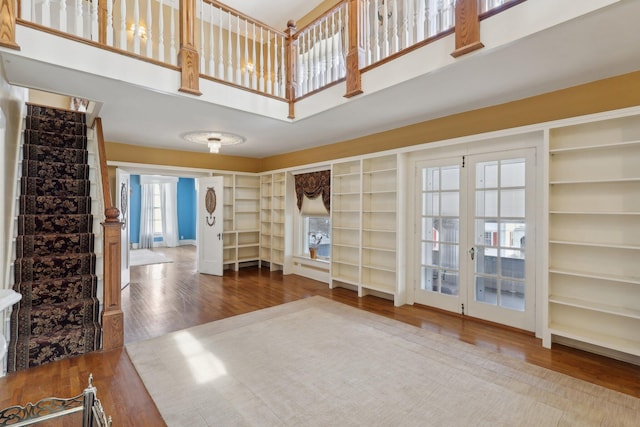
point(55, 263)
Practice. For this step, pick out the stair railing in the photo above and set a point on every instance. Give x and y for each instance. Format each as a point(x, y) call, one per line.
point(112, 315)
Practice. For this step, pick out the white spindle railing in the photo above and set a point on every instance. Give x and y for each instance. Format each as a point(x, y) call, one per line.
point(393, 25)
point(321, 51)
point(487, 5)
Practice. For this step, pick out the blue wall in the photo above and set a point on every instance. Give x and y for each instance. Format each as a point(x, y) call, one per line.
point(186, 209)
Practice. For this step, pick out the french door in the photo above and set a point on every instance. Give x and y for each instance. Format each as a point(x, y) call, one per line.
point(475, 236)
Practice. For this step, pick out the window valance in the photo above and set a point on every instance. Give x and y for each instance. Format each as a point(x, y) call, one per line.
point(312, 185)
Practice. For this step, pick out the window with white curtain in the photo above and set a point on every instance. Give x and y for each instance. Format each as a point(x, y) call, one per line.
point(158, 211)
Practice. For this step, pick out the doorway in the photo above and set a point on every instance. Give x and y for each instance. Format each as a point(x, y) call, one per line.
point(475, 236)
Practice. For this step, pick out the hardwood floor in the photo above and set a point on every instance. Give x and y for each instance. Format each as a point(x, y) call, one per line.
point(167, 297)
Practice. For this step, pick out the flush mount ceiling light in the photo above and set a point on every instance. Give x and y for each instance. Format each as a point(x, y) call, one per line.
point(213, 139)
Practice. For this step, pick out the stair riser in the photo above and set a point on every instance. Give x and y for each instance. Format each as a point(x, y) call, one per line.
point(53, 139)
point(51, 205)
point(34, 269)
point(42, 153)
point(48, 124)
point(72, 224)
point(31, 168)
point(59, 187)
point(56, 291)
point(39, 246)
point(66, 115)
point(55, 318)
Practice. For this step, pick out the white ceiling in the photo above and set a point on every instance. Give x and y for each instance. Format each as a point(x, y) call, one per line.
point(275, 13)
point(594, 46)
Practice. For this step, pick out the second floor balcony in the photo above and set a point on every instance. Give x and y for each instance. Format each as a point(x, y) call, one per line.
point(149, 64)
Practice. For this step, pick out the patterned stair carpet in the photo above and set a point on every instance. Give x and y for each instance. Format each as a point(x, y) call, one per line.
point(55, 263)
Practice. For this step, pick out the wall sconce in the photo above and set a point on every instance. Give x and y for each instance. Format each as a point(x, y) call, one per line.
point(142, 31)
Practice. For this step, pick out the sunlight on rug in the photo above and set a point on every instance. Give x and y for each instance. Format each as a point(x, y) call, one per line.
point(146, 257)
point(315, 362)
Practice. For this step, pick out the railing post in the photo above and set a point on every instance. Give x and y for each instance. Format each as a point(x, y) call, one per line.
point(188, 58)
point(354, 82)
point(467, 27)
point(291, 51)
point(8, 24)
point(102, 21)
point(112, 316)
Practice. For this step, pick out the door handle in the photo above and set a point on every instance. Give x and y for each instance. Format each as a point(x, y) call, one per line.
point(219, 236)
point(472, 252)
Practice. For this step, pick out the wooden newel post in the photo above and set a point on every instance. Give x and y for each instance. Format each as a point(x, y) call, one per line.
point(112, 316)
point(102, 22)
point(8, 24)
point(354, 83)
point(291, 50)
point(467, 27)
point(188, 58)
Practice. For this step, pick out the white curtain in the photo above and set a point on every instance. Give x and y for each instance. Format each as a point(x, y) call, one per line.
point(146, 216)
point(169, 207)
point(169, 195)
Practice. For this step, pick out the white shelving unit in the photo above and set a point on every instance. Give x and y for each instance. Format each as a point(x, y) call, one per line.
point(272, 220)
point(594, 235)
point(364, 225)
point(242, 211)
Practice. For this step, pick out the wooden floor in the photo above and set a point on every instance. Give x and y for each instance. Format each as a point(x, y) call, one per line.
point(168, 297)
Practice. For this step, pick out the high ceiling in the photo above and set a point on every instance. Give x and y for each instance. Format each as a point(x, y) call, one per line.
point(597, 45)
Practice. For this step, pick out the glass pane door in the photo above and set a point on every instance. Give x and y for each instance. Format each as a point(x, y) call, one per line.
point(501, 195)
point(438, 199)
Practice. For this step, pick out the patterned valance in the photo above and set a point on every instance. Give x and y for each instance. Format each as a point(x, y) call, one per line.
point(313, 184)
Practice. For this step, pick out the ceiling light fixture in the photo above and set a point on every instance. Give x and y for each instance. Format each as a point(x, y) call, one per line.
point(213, 139)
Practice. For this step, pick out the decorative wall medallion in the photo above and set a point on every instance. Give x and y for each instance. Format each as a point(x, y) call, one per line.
point(124, 201)
point(210, 201)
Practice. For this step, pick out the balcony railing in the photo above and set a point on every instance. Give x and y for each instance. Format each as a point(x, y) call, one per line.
point(211, 40)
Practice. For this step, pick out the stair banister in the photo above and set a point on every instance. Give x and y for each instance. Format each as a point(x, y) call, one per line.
point(354, 82)
point(112, 316)
point(8, 24)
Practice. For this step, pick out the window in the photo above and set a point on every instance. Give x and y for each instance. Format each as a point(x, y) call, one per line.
point(157, 210)
point(317, 234)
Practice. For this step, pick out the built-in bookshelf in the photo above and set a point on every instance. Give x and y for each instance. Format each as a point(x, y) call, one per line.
point(594, 234)
point(242, 228)
point(272, 220)
point(364, 225)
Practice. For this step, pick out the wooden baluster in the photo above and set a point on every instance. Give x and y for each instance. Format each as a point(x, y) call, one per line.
point(188, 61)
point(467, 28)
point(291, 54)
point(26, 9)
point(95, 31)
point(254, 76)
point(246, 53)
point(203, 57)
point(229, 51)
point(172, 35)
point(316, 58)
point(62, 16)
point(238, 53)
point(161, 31)
point(331, 65)
point(326, 68)
point(123, 25)
point(367, 23)
point(354, 80)
point(385, 29)
point(299, 61)
point(8, 23)
point(304, 48)
point(343, 43)
point(261, 88)
point(46, 13)
point(212, 60)
point(149, 41)
point(276, 71)
point(377, 18)
point(408, 19)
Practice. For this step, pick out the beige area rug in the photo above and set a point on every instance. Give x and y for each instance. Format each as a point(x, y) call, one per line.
point(146, 257)
point(315, 362)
